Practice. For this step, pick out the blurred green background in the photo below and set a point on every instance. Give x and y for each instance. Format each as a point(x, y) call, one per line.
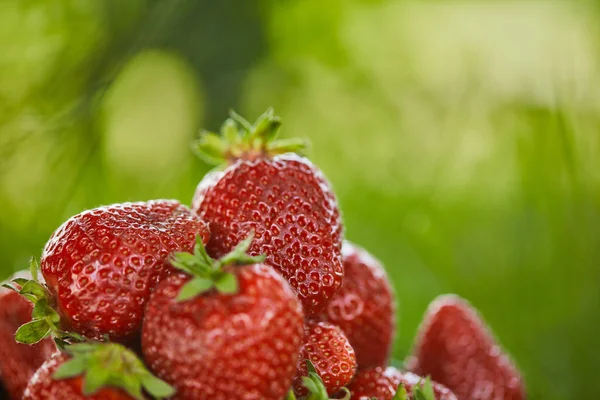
point(462, 138)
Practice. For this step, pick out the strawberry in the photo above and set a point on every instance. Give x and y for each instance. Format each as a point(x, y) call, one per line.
point(228, 329)
point(281, 196)
point(389, 383)
point(327, 347)
point(95, 371)
point(364, 307)
point(456, 349)
point(18, 361)
point(101, 266)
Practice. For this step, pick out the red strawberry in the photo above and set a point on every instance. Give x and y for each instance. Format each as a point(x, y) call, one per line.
point(239, 339)
point(284, 198)
point(456, 349)
point(382, 383)
point(95, 371)
point(364, 307)
point(327, 347)
point(18, 361)
point(101, 265)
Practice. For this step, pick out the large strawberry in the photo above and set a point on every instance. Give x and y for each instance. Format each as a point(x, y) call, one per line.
point(328, 349)
point(385, 383)
point(228, 329)
point(281, 196)
point(18, 361)
point(101, 266)
point(456, 349)
point(364, 307)
point(95, 371)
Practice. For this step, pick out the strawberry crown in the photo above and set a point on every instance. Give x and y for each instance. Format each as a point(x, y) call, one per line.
point(45, 321)
point(423, 390)
point(239, 139)
point(111, 365)
point(208, 273)
point(315, 386)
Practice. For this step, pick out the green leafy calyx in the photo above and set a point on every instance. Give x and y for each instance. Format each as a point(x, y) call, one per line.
point(423, 390)
point(315, 386)
point(45, 321)
point(239, 139)
point(111, 365)
point(208, 273)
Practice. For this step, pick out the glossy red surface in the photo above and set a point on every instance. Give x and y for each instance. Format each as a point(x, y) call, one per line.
point(102, 264)
point(217, 346)
point(294, 213)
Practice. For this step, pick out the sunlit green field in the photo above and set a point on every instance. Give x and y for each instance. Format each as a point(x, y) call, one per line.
point(462, 138)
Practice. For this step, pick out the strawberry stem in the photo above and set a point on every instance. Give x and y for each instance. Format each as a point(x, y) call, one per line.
point(208, 273)
point(239, 139)
point(316, 387)
point(45, 321)
point(111, 364)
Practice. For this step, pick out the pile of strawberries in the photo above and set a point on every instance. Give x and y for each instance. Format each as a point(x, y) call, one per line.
point(250, 294)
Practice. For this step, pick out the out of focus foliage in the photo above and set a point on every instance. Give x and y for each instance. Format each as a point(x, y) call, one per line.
point(461, 137)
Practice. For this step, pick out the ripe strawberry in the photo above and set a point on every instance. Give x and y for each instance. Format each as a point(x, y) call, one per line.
point(456, 349)
point(383, 384)
point(284, 198)
point(239, 339)
point(18, 361)
point(328, 349)
point(364, 307)
point(95, 371)
point(101, 266)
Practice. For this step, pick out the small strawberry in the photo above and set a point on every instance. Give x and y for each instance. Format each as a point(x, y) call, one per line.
point(101, 266)
point(391, 384)
point(281, 196)
point(364, 307)
point(95, 371)
point(327, 347)
point(18, 362)
point(228, 329)
point(456, 349)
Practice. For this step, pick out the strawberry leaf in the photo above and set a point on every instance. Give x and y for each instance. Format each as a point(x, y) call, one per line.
point(423, 390)
point(96, 377)
point(32, 332)
point(290, 395)
point(211, 148)
point(227, 284)
point(33, 288)
point(401, 393)
point(33, 268)
point(105, 364)
point(194, 287)
point(71, 368)
point(157, 387)
point(208, 273)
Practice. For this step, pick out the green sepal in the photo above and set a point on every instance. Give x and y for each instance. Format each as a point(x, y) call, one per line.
point(401, 393)
point(423, 390)
point(208, 273)
point(290, 395)
point(111, 365)
point(239, 139)
point(33, 331)
point(157, 387)
point(226, 283)
point(195, 287)
point(315, 386)
point(211, 147)
point(34, 267)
